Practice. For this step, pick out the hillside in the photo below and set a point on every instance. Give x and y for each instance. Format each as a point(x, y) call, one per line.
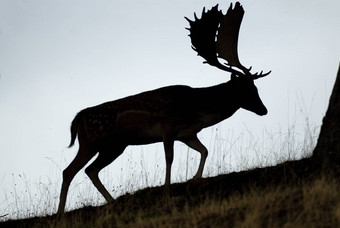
point(275, 196)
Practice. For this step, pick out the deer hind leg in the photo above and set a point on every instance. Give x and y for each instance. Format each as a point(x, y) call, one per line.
point(83, 156)
point(104, 158)
point(194, 143)
point(169, 157)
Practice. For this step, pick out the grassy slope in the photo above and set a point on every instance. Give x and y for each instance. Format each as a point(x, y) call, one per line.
point(291, 194)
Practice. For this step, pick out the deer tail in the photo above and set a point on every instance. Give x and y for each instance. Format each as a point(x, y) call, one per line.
point(74, 129)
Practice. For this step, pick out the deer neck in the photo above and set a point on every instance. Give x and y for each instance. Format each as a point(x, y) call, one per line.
point(218, 102)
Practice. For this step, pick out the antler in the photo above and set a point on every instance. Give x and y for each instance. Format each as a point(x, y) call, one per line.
point(203, 38)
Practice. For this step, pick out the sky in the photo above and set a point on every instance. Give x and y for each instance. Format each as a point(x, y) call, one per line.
point(59, 57)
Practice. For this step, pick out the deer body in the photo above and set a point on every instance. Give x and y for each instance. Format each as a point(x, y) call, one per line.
point(179, 111)
point(169, 113)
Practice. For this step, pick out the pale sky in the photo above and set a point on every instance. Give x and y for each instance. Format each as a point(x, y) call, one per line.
point(58, 57)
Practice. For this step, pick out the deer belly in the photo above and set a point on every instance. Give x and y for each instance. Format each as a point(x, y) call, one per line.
point(139, 127)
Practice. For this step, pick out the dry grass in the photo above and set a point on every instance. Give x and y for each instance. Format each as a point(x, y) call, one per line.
point(315, 204)
point(306, 202)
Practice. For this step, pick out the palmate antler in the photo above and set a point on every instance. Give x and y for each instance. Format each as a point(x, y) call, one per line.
point(203, 38)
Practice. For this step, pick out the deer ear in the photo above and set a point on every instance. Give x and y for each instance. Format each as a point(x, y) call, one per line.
point(233, 76)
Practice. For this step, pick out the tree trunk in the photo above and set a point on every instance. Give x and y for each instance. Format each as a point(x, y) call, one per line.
point(327, 150)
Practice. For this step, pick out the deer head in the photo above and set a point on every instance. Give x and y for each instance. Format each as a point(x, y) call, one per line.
point(215, 37)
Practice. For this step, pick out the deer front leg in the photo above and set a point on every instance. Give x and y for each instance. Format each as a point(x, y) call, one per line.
point(169, 157)
point(195, 144)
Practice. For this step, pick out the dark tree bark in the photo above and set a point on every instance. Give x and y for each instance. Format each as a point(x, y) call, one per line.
point(327, 150)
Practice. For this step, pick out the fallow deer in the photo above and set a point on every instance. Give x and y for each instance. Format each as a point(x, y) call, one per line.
point(170, 113)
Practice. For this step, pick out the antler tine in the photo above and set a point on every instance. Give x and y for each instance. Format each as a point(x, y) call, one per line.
point(203, 10)
point(261, 75)
point(257, 75)
point(195, 16)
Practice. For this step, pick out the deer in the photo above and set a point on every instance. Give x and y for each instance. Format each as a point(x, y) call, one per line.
point(168, 114)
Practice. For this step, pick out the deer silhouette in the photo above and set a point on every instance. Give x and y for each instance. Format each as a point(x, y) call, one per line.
point(170, 113)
